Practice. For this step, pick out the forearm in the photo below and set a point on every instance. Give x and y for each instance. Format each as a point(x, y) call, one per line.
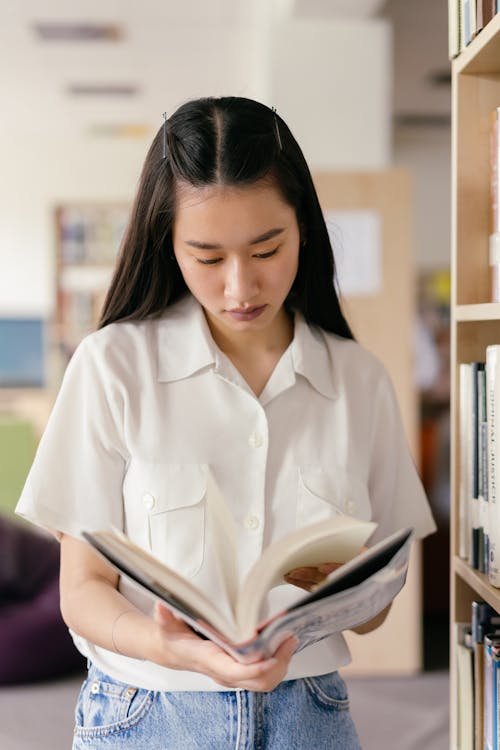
point(93, 607)
point(376, 622)
point(97, 611)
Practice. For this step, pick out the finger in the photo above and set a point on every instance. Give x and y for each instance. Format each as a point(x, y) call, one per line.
point(271, 679)
point(312, 575)
point(327, 568)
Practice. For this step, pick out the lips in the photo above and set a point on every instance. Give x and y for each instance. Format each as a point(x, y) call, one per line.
point(246, 313)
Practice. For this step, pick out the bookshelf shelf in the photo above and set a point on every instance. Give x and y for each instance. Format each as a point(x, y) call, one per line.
point(478, 582)
point(483, 53)
point(477, 313)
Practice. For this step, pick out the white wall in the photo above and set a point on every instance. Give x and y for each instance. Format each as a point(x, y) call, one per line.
point(329, 79)
point(38, 174)
point(425, 152)
point(332, 81)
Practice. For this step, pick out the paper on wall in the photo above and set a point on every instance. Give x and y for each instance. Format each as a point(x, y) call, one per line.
point(356, 239)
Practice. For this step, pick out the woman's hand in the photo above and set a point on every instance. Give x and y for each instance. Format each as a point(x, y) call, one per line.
point(309, 578)
point(178, 647)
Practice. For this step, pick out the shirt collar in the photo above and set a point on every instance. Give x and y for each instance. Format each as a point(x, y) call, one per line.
point(186, 346)
point(312, 358)
point(184, 343)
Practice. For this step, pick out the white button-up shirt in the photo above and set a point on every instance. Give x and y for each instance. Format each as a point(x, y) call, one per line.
point(145, 407)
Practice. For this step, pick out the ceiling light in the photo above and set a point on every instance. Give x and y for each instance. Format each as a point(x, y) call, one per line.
point(78, 31)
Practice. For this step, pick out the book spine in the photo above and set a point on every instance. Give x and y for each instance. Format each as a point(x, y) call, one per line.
point(473, 30)
point(465, 485)
point(465, 685)
point(482, 471)
point(491, 692)
point(475, 514)
point(493, 391)
point(465, 24)
point(480, 14)
point(453, 29)
point(484, 620)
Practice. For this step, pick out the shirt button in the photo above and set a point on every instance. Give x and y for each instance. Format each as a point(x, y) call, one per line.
point(351, 507)
point(252, 522)
point(148, 501)
point(255, 440)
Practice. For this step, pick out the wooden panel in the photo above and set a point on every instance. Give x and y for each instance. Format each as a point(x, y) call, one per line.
point(477, 97)
point(384, 324)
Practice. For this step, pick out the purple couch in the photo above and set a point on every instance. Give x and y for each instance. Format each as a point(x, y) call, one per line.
point(34, 640)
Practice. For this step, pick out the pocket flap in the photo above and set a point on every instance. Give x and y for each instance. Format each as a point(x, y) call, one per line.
point(157, 487)
point(344, 492)
point(182, 485)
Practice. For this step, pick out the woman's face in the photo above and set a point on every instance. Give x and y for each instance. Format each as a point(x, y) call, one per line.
point(238, 251)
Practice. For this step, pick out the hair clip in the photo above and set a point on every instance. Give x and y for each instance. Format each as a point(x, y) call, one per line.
point(164, 135)
point(276, 125)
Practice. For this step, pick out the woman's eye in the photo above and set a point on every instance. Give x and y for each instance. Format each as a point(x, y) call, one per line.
point(208, 261)
point(269, 254)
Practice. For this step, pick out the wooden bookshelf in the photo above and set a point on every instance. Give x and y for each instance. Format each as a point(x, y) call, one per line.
point(475, 321)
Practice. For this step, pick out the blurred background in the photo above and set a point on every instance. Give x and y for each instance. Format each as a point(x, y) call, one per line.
point(364, 86)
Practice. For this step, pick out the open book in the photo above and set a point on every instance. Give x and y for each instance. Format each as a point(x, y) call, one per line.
point(351, 595)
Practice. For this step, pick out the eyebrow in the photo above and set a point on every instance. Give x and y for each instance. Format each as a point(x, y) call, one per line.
point(256, 241)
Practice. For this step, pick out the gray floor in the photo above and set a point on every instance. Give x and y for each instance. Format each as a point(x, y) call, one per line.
point(403, 713)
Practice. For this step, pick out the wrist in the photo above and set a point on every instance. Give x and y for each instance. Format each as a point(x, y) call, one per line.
point(130, 634)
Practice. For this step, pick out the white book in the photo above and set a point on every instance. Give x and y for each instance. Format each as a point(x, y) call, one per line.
point(465, 478)
point(493, 405)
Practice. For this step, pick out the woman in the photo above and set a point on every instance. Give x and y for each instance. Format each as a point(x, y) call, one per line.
point(222, 344)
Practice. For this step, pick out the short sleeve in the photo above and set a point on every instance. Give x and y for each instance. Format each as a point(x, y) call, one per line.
point(75, 482)
point(396, 492)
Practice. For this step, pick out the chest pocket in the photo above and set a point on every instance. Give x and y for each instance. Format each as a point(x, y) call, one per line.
point(323, 493)
point(165, 512)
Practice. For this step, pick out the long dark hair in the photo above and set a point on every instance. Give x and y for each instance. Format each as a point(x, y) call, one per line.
point(230, 141)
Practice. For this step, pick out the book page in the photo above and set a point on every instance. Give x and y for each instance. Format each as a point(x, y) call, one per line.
point(224, 535)
point(336, 540)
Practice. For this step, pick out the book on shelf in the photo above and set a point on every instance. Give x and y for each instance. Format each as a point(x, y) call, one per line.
point(465, 463)
point(493, 406)
point(485, 10)
point(465, 685)
point(484, 621)
point(482, 469)
point(466, 18)
point(474, 466)
point(454, 28)
point(491, 726)
point(363, 586)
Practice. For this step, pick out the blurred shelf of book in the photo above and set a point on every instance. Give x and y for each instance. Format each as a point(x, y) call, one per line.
point(34, 352)
point(88, 237)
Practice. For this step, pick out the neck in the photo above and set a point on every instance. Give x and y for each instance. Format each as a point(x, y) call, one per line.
point(273, 339)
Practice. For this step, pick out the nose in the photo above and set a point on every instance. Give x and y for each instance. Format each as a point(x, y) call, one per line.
point(241, 284)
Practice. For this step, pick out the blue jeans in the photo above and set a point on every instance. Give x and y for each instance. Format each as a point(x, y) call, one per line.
point(312, 712)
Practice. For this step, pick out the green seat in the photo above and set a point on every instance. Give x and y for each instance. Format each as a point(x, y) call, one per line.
point(17, 450)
